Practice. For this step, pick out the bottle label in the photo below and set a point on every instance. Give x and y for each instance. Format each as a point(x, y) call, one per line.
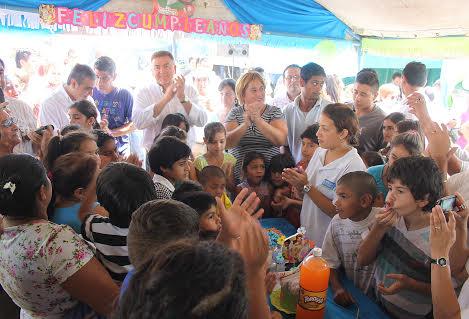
point(312, 300)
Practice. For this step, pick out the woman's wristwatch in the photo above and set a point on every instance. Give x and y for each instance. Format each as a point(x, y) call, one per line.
point(307, 188)
point(442, 261)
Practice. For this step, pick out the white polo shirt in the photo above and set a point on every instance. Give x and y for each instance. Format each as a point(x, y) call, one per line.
point(142, 113)
point(298, 121)
point(325, 178)
point(54, 109)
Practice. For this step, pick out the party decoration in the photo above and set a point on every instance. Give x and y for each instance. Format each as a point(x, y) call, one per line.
point(50, 15)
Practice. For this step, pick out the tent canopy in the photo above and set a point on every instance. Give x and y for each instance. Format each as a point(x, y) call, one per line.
point(402, 18)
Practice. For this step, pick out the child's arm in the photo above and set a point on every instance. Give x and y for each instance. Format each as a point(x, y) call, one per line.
point(341, 296)
point(369, 247)
point(404, 282)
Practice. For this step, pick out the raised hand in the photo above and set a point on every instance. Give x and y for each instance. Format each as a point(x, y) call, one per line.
point(180, 84)
point(295, 177)
point(442, 233)
point(133, 159)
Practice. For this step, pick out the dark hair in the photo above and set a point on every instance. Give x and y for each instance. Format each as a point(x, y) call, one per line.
point(88, 109)
point(79, 73)
point(213, 128)
point(187, 186)
point(396, 75)
point(395, 117)
point(63, 145)
point(411, 141)
point(360, 183)
point(27, 174)
point(368, 70)
point(2, 63)
point(311, 69)
point(156, 223)
point(227, 82)
point(159, 288)
point(310, 133)
point(344, 118)
point(69, 128)
point(421, 175)
point(175, 119)
point(291, 66)
point(208, 172)
point(279, 162)
point(251, 156)
point(105, 64)
point(372, 159)
point(199, 201)
point(173, 131)
point(165, 152)
point(160, 54)
point(121, 188)
point(415, 74)
point(21, 55)
point(102, 137)
point(72, 171)
point(411, 126)
point(368, 78)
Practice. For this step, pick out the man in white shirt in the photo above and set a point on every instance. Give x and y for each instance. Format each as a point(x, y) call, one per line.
point(22, 112)
point(307, 107)
point(168, 94)
point(80, 84)
point(291, 81)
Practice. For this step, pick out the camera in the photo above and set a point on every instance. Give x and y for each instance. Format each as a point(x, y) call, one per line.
point(41, 130)
point(447, 203)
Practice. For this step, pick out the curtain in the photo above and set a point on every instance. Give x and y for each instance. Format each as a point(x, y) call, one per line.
point(296, 17)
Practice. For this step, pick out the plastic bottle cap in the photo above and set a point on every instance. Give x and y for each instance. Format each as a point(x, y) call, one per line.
point(317, 252)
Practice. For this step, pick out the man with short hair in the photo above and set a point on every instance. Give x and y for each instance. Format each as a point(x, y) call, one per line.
point(80, 84)
point(291, 81)
point(24, 69)
point(306, 107)
point(370, 116)
point(397, 79)
point(22, 112)
point(114, 104)
point(168, 94)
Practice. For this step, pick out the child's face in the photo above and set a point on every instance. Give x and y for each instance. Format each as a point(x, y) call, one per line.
point(308, 147)
point(179, 171)
point(210, 221)
point(401, 200)
point(396, 153)
point(215, 186)
point(278, 195)
point(276, 178)
point(217, 144)
point(255, 171)
point(346, 203)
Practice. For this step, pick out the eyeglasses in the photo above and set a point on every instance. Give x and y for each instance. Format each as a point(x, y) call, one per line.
point(9, 122)
point(292, 77)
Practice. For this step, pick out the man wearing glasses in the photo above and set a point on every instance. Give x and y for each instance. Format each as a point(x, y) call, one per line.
point(9, 133)
point(306, 107)
point(291, 81)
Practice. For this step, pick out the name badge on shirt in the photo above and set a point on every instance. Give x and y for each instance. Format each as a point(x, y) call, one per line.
point(328, 184)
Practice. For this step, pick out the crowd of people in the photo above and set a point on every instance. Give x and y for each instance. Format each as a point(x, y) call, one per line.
point(90, 228)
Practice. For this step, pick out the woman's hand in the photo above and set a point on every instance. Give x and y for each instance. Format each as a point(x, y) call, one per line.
point(418, 106)
point(462, 213)
point(295, 177)
point(442, 233)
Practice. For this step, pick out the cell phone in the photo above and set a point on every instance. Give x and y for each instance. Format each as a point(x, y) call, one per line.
point(41, 130)
point(447, 203)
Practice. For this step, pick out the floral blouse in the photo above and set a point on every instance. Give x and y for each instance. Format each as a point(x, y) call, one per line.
point(35, 259)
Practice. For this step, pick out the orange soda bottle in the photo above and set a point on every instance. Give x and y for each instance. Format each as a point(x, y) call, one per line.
point(314, 280)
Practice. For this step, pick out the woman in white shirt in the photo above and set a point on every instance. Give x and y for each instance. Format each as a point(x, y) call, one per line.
point(336, 156)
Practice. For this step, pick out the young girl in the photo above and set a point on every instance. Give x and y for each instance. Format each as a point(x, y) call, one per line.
point(253, 173)
point(71, 176)
point(215, 140)
point(107, 147)
point(85, 114)
point(390, 130)
point(77, 141)
point(335, 157)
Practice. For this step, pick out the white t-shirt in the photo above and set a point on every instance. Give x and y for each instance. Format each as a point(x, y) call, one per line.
point(54, 109)
point(463, 298)
point(324, 178)
point(340, 248)
point(298, 121)
point(142, 113)
point(26, 123)
point(35, 260)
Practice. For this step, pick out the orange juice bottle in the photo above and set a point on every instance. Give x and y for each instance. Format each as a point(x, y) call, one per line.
point(314, 280)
